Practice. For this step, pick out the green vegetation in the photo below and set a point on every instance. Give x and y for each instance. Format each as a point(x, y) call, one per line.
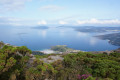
point(45, 56)
point(13, 62)
point(1, 44)
point(98, 65)
point(61, 48)
point(40, 71)
point(15, 65)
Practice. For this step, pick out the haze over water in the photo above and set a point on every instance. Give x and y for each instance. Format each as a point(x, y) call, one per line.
point(40, 39)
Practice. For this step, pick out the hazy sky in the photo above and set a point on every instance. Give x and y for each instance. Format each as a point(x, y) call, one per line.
point(59, 12)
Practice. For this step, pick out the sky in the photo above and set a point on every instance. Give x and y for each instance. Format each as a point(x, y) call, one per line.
point(60, 12)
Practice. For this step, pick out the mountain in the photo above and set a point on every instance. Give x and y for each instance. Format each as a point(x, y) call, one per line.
point(41, 27)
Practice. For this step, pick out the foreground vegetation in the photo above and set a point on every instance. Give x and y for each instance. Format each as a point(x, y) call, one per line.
point(13, 62)
point(15, 65)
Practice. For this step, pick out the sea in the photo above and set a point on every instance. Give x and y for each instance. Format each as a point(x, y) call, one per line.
point(38, 39)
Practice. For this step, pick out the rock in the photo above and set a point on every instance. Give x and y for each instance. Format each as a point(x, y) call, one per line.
point(52, 59)
point(117, 50)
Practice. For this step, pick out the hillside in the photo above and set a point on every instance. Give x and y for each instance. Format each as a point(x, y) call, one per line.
point(17, 63)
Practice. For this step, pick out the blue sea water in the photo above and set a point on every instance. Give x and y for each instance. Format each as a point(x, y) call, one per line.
point(40, 39)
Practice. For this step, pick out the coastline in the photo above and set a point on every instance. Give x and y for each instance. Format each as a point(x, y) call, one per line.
point(50, 51)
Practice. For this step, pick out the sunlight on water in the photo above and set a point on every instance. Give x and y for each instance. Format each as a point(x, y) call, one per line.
point(40, 39)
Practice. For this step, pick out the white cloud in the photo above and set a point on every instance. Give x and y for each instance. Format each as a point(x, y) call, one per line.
point(96, 21)
point(16, 21)
point(9, 21)
point(62, 22)
point(15, 24)
point(11, 5)
point(32, 22)
point(42, 22)
point(51, 8)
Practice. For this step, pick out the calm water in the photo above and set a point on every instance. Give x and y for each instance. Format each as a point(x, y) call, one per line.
point(40, 39)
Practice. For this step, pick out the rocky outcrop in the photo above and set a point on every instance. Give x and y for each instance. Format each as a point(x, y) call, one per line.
point(117, 50)
point(52, 58)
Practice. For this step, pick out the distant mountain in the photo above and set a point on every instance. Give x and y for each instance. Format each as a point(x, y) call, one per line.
point(113, 38)
point(69, 26)
point(97, 29)
point(41, 27)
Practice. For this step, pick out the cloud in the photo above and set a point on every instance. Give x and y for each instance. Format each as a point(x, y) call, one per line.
point(96, 21)
point(51, 8)
point(32, 22)
point(9, 21)
point(62, 22)
point(42, 22)
point(16, 21)
point(12, 5)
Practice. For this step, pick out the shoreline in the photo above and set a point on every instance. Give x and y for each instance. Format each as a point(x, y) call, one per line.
point(50, 51)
